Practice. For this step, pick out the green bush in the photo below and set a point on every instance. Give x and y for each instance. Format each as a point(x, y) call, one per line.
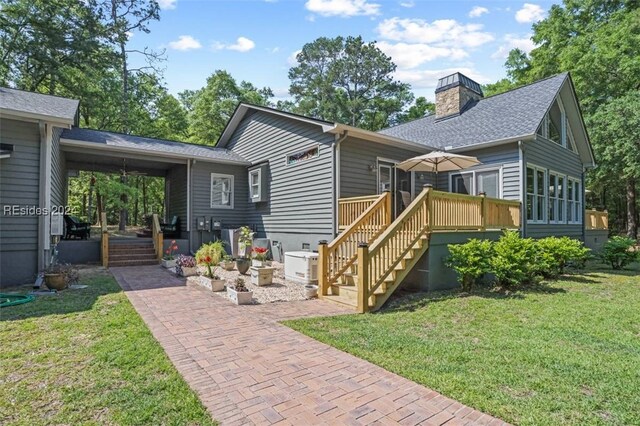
point(470, 261)
point(553, 254)
point(513, 260)
point(618, 252)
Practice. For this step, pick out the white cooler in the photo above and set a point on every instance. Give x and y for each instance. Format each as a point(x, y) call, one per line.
point(301, 266)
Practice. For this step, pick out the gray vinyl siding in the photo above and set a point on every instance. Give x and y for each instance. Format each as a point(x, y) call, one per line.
point(551, 156)
point(177, 205)
point(356, 158)
point(201, 198)
point(19, 185)
point(506, 157)
point(58, 171)
point(299, 196)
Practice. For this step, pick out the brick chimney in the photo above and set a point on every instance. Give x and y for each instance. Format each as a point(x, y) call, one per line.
point(453, 93)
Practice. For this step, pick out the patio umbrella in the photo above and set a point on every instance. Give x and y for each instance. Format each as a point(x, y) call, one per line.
point(438, 161)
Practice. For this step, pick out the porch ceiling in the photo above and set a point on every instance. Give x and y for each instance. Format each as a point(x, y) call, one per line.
point(114, 163)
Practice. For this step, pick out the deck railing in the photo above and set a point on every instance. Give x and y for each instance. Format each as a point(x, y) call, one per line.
point(349, 209)
point(104, 240)
point(595, 220)
point(336, 257)
point(156, 235)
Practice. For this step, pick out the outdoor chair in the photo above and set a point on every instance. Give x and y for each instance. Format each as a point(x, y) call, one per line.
point(76, 228)
point(171, 229)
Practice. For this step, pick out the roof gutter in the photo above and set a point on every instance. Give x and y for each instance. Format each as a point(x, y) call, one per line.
point(124, 150)
point(379, 137)
point(58, 121)
point(493, 143)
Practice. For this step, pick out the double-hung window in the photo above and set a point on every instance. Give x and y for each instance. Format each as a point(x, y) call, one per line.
point(556, 197)
point(574, 201)
point(536, 194)
point(254, 184)
point(477, 181)
point(221, 191)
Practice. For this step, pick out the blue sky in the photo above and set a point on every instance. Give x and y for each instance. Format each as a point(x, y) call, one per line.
point(256, 40)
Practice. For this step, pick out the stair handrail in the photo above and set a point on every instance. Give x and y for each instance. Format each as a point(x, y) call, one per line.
point(395, 242)
point(104, 239)
point(157, 236)
point(337, 256)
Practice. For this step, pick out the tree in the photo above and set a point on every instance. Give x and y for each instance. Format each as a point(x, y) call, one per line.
point(349, 81)
point(419, 109)
point(214, 104)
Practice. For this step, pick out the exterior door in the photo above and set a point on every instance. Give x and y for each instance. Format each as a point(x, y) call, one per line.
point(395, 181)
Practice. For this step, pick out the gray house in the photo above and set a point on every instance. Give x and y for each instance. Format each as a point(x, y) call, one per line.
point(284, 174)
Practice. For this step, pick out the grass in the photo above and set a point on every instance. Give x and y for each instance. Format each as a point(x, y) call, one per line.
point(86, 357)
point(564, 353)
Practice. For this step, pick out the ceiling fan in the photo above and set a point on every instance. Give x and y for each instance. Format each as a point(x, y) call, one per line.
point(124, 173)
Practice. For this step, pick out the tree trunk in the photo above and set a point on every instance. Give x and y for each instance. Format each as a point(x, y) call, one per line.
point(144, 196)
point(136, 212)
point(122, 226)
point(632, 224)
point(100, 208)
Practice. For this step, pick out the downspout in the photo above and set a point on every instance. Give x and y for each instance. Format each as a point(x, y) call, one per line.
point(583, 195)
point(189, 201)
point(523, 190)
point(336, 181)
point(44, 243)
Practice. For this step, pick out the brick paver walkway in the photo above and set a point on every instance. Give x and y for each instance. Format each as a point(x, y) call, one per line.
point(248, 369)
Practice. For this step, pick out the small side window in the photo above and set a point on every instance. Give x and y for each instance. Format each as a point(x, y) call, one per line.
point(254, 183)
point(258, 183)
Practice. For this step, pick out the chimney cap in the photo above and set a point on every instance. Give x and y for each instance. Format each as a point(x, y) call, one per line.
point(458, 79)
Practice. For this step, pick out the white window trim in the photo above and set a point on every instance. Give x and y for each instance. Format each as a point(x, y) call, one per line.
point(578, 219)
point(545, 211)
point(562, 200)
point(231, 194)
point(259, 193)
point(473, 172)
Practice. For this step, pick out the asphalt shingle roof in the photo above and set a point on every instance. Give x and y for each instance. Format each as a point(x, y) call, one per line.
point(38, 103)
point(508, 115)
point(150, 145)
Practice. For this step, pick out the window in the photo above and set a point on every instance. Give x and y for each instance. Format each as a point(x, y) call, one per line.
point(536, 194)
point(301, 156)
point(254, 184)
point(555, 125)
point(384, 177)
point(556, 198)
point(221, 191)
point(574, 201)
point(477, 181)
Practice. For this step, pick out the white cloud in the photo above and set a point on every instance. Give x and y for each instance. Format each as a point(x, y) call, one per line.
point(407, 4)
point(407, 56)
point(242, 44)
point(478, 11)
point(512, 41)
point(167, 4)
point(343, 8)
point(529, 13)
point(292, 60)
point(185, 42)
point(273, 49)
point(427, 79)
point(440, 33)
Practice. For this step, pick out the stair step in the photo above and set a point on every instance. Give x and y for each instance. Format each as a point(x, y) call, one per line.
point(129, 256)
point(142, 250)
point(141, 262)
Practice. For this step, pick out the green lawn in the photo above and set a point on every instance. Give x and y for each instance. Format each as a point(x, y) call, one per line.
point(86, 357)
point(564, 353)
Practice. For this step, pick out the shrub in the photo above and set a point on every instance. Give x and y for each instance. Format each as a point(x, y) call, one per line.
point(553, 254)
point(470, 261)
point(210, 255)
point(618, 252)
point(513, 260)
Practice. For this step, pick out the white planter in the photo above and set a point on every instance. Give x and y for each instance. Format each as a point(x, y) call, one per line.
point(261, 276)
point(211, 284)
point(258, 263)
point(227, 266)
point(188, 272)
point(169, 263)
point(310, 291)
point(240, 297)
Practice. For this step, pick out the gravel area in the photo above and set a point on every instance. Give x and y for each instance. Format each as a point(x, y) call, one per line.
point(280, 291)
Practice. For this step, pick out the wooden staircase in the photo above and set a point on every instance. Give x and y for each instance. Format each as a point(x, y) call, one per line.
point(371, 258)
point(132, 252)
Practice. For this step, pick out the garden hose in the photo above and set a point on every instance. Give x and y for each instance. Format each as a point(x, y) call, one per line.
point(7, 300)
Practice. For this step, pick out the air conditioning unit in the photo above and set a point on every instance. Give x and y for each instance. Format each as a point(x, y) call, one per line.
point(301, 267)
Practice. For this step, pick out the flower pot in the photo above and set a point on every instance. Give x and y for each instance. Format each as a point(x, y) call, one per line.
point(310, 291)
point(210, 283)
point(55, 281)
point(227, 266)
point(188, 272)
point(257, 263)
point(240, 297)
point(261, 276)
point(243, 265)
point(169, 263)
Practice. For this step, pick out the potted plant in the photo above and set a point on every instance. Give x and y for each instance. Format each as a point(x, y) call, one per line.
point(310, 291)
point(209, 255)
point(168, 261)
point(227, 263)
point(262, 276)
point(55, 276)
point(259, 256)
point(186, 266)
point(239, 293)
point(244, 242)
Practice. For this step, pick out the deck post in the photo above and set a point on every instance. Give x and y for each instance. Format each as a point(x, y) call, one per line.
point(363, 278)
point(322, 268)
point(388, 216)
point(483, 211)
point(430, 220)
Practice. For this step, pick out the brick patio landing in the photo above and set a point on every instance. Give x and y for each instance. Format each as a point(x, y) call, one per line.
point(248, 369)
